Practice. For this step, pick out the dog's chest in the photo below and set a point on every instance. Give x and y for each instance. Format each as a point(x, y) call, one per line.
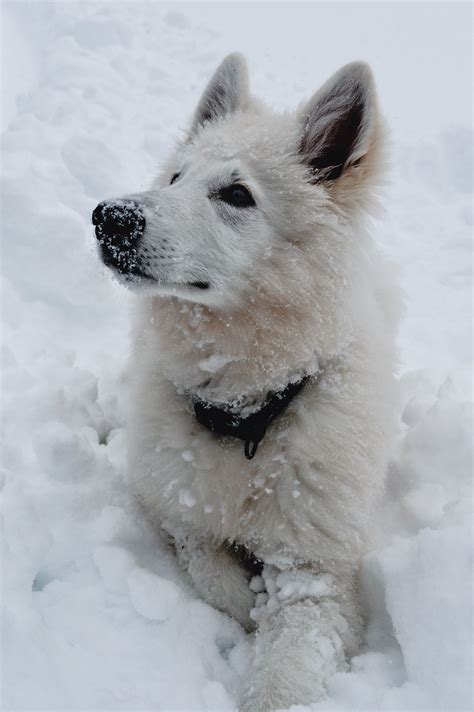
point(207, 485)
point(196, 482)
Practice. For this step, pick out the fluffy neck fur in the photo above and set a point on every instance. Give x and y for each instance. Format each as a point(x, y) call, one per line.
point(242, 353)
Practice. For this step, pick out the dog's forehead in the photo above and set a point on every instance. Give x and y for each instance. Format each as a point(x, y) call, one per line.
point(249, 137)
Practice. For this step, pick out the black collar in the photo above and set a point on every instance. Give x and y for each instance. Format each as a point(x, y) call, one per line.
point(252, 428)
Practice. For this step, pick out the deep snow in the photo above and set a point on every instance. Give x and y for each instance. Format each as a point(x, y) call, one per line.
point(97, 614)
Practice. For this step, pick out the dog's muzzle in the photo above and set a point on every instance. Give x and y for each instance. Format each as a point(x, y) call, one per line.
point(119, 226)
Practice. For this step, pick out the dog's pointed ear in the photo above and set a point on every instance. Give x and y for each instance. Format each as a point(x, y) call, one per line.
point(226, 92)
point(339, 123)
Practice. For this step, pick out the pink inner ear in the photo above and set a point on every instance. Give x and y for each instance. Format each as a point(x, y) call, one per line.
point(218, 103)
point(225, 92)
point(337, 117)
point(329, 152)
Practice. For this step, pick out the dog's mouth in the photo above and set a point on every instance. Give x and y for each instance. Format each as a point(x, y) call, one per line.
point(125, 265)
point(119, 252)
point(139, 277)
point(199, 285)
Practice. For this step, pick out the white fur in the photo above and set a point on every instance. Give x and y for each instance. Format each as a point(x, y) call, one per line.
point(297, 287)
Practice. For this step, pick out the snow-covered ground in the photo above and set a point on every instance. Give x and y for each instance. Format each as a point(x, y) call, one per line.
point(97, 615)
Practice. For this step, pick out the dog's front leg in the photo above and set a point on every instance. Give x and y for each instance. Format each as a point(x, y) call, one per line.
point(307, 629)
point(220, 580)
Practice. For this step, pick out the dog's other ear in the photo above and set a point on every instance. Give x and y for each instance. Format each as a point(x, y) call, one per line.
point(226, 92)
point(339, 123)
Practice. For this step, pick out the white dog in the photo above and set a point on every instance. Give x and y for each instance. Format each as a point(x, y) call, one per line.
point(263, 389)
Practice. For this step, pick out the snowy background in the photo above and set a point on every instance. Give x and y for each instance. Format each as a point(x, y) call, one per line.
point(97, 615)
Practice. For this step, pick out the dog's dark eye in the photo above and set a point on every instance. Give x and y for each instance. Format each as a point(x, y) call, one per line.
point(237, 195)
point(174, 178)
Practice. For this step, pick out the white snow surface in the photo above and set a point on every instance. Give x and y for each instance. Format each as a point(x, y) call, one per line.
point(97, 614)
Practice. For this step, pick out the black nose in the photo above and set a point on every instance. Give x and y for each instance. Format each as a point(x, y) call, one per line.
point(119, 224)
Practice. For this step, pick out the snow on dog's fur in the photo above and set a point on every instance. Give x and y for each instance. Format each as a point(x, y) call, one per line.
point(255, 268)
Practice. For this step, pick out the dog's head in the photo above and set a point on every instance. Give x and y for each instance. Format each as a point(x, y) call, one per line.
point(249, 194)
